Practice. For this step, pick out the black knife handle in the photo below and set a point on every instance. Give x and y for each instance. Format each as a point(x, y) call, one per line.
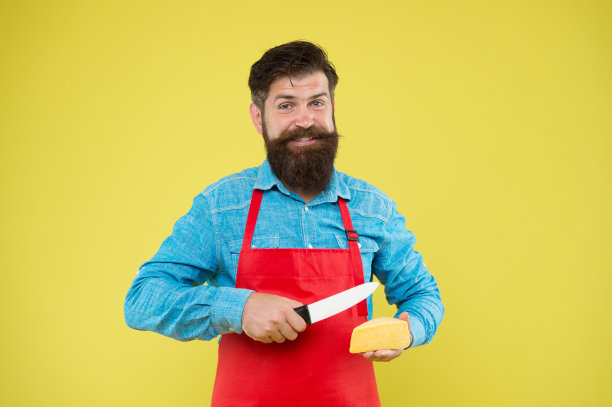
point(304, 313)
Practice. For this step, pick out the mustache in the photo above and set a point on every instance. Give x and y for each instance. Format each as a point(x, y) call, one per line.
point(310, 132)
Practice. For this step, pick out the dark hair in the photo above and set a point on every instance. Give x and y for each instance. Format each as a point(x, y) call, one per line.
point(297, 58)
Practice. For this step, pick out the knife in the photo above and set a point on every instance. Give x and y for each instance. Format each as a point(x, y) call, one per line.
point(336, 303)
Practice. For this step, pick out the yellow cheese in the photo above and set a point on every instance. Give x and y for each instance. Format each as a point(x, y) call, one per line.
point(380, 333)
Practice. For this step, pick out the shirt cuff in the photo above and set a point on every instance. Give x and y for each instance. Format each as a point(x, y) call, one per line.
point(417, 330)
point(227, 308)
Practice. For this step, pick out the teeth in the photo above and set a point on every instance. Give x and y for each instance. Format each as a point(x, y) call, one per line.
point(304, 139)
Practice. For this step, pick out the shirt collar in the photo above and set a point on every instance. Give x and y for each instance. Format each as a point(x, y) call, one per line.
point(266, 179)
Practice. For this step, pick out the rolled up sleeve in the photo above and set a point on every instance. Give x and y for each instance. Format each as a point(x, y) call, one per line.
point(408, 283)
point(168, 295)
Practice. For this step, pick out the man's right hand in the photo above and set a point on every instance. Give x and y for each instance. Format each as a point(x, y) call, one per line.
point(270, 318)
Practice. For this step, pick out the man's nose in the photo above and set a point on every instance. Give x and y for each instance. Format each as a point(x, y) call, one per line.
point(304, 118)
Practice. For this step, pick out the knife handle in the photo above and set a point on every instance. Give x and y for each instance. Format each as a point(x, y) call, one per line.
point(304, 313)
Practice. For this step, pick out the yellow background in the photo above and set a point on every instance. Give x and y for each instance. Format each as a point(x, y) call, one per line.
point(488, 123)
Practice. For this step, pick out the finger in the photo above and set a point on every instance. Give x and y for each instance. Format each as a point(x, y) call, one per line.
point(405, 317)
point(371, 356)
point(277, 337)
point(293, 303)
point(383, 355)
point(264, 339)
point(296, 321)
point(387, 355)
point(368, 355)
point(288, 332)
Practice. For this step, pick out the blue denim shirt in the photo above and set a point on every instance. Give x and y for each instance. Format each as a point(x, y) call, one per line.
point(187, 290)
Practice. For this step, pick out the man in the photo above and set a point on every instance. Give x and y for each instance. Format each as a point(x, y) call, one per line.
point(269, 239)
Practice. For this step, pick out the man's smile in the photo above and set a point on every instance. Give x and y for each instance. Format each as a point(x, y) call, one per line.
point(304, 141)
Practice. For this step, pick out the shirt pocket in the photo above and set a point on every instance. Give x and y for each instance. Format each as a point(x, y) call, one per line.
point(262, 242)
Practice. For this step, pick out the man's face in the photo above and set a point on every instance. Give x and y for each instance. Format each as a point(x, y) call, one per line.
point(299, 131)
point(301, 102)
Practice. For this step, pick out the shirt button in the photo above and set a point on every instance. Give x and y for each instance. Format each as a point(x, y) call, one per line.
point(309, 246)
point(306, 208)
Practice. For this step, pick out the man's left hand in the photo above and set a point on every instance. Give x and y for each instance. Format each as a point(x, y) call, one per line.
point(385, 355)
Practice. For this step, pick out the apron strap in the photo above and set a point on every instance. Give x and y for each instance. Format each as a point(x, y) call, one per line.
point(353, 239)
point(252, 218)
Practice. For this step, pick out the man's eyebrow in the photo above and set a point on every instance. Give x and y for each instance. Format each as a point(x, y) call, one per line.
point(318, 95)
point(283, 97)
point(291, 97)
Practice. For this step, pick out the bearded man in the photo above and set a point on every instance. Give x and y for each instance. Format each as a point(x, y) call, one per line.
point(258, 244)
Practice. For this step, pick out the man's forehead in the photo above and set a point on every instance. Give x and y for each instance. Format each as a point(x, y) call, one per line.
point(314, 82)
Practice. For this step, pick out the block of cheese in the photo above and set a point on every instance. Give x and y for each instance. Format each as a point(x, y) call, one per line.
point(380, 333)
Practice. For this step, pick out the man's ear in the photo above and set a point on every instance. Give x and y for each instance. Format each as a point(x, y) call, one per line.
point(256, 117)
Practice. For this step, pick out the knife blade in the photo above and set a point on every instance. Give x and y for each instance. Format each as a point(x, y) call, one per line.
point(336, 303)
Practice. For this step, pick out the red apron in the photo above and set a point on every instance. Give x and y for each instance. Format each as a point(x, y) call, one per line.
point(316, 369)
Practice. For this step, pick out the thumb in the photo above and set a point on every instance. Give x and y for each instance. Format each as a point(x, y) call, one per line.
point(404, 317)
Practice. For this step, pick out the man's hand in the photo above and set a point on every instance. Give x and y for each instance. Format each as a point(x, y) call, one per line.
point(388, 354)
point(270, 318)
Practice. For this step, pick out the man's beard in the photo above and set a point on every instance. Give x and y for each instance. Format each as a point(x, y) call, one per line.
point(303, 168)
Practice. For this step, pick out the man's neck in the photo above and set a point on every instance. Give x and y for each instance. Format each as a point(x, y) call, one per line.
point(306, 196)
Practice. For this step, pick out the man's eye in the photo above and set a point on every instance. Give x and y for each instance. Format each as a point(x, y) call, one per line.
point(285, 106)
point(318, 104)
